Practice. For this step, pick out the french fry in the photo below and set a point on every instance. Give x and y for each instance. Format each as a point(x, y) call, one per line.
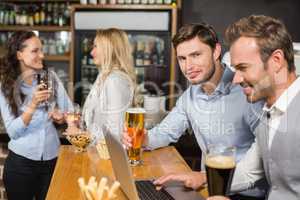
point(113, 189)
point(87, 194)
point(82, 187)
point(92, 182)
point(94, 191)
point(101, 187)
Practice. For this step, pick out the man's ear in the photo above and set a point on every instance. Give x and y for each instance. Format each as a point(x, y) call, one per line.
point(277, 60)
point(217, 51)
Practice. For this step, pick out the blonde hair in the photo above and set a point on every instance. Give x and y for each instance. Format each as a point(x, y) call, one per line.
point(116, 53)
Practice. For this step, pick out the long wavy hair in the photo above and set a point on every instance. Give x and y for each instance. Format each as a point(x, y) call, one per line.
point(10, 69)
point(115, 51)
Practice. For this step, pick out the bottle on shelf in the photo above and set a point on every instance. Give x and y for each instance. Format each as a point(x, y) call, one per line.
point(43, 14)
point(139, 54)
point(103, 2)
point(147, 54)
point(84, 50)
point(37, 19)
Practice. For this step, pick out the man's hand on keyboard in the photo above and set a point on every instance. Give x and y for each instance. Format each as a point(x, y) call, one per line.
point(192, 180)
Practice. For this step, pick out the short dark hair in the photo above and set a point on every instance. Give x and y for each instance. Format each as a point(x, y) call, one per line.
point(270, 34)
point(203, 31)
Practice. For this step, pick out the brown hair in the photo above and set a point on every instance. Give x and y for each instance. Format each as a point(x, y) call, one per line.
point(10, 68)
point(270, 34)
point(203, 31)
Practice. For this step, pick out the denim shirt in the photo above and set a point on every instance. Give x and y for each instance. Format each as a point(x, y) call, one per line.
point(39, 139)
point(223, 117)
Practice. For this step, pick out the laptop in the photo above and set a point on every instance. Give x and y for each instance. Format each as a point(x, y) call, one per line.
point(141, 189)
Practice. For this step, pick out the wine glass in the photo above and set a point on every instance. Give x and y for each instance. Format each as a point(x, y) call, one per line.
point(46, 78)
point(73, 115)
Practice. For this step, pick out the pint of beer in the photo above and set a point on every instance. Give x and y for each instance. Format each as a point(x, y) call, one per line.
point(220, 166)
point(135, 127)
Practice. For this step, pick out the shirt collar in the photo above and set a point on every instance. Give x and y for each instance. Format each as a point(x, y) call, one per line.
point(225, 83)
point(285, 98)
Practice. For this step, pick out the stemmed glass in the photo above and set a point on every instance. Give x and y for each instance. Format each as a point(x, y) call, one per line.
point(46, 78)
point(73, 115)
point(77, 135)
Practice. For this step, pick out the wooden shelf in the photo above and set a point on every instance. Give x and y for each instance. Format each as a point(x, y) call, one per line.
point(122, 6)
point(39, 1)
point(37, 28)
point(57, 58)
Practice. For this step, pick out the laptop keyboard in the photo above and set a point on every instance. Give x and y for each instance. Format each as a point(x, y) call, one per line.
point(147, 191)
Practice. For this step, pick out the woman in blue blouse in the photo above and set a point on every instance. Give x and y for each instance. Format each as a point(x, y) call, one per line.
point(34, 142)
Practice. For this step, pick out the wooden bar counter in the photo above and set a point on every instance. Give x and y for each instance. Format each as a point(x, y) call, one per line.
point(71, 165)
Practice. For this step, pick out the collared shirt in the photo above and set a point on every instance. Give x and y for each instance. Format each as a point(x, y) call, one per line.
point(250, 169)
point(223, 117)
point(39, 139)
point(107, 102)
point(277, 110)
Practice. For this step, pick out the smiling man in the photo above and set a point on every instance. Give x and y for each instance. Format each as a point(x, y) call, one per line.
point(262, 53)
point(212, 106)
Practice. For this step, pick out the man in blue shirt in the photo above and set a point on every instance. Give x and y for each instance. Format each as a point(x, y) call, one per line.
point(212, 106)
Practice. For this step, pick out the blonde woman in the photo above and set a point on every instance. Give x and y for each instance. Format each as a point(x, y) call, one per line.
point(112, 92)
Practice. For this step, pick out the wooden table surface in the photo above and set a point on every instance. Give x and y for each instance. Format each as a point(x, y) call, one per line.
point(70, 166)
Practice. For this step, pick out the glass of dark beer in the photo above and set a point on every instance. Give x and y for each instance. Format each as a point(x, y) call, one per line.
point(135, 126)
point(220, 165)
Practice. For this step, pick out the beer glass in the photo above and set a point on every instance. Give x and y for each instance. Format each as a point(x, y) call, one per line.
point(135, 127)
point(220, 165)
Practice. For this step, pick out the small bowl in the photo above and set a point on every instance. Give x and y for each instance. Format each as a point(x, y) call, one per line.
point(81, 141)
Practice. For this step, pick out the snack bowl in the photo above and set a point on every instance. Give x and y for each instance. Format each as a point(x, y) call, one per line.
point(81, 140)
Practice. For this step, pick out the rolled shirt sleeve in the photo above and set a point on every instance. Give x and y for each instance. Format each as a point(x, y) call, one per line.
point(171, 128)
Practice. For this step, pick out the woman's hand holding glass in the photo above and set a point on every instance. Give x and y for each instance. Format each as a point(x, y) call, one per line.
point(57, 116)
point(40, 95)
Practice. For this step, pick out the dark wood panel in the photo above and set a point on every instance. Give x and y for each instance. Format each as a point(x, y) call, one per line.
point(220, 13)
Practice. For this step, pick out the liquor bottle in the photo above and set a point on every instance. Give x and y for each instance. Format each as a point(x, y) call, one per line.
point(147, 54)
point(154, 54)
point(49, 19)
point(23, 19)
point(103, 2)
point(84, 49)
point(55, 14)
point(136, 1)
point(139, 54)
point(43, 14)
point(167, 1)
point(112, 2)
point(93, 2)
point(67, 13)
point(12, 15)
point(2, 10)
point(37, 19)
point(30, 15)
point(128, 1)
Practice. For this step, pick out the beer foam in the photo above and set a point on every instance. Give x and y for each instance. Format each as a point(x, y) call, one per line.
point(220, 162)
point(136, 110)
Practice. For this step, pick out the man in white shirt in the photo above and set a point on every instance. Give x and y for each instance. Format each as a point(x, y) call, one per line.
point(262, 53)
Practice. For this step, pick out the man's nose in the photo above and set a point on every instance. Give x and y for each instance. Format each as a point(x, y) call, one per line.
point(238, 78)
